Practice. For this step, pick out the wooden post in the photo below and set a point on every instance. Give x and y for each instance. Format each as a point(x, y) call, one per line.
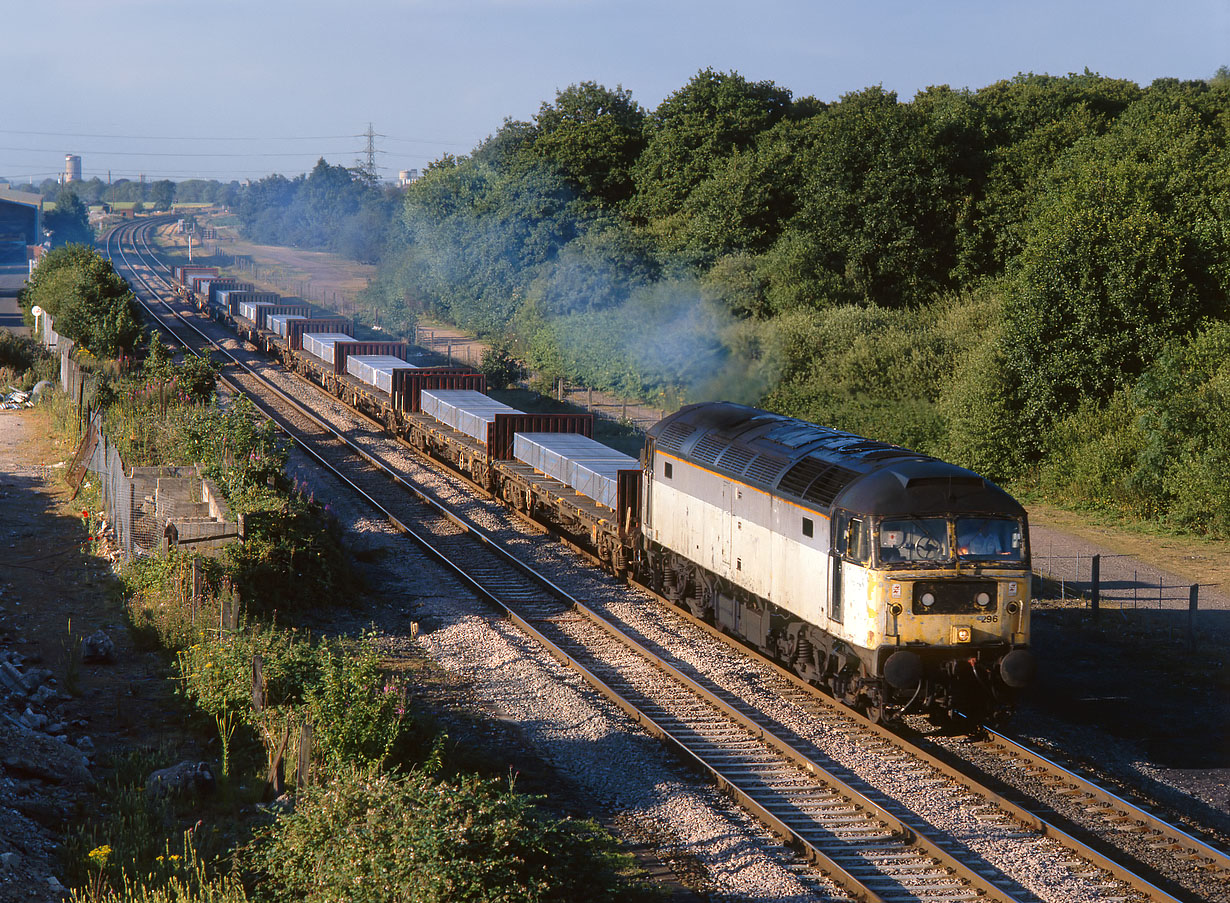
point(303, 769)
point(258, 683)
point(196, 589)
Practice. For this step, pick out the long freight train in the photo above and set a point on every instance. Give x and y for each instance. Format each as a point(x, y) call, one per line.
point(895, 580)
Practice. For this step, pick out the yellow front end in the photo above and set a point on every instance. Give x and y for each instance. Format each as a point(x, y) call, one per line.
point(952, 608)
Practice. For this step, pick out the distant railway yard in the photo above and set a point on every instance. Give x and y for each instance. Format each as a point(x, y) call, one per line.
point(732, 774)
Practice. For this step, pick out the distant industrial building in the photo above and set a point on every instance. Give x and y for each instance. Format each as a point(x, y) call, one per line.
point(21, 223)
point(406, 176)
point(72, 168)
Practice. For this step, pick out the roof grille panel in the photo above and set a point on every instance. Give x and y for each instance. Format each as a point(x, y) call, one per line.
point(817, 481)
point(673, 436)
point(799, 477)
point(765, 469)
point(735, 459)
point(826, 487)
point(708, 448)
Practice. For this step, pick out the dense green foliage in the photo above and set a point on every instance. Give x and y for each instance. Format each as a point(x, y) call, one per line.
point(69, 221)
point(331, 208)
point(157, 195)
point(358, 716)
point(87, 299)
point(371, 838)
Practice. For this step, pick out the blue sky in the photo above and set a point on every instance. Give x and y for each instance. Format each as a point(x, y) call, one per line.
point(241, 88)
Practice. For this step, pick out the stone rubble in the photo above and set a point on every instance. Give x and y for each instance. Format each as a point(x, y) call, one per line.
point(45, 763)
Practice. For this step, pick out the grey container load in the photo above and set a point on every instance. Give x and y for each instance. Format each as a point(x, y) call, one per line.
point(465, 410)
point(588, 466)
point(248, 309)
point(321, 344)
point(376, 369)
point(277, 322)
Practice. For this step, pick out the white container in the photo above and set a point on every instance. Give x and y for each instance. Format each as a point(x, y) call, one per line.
point(277, 322)
point(250, 310)
point(465, 410)
point(322, 344)
point(588, 466)
point(375, 369)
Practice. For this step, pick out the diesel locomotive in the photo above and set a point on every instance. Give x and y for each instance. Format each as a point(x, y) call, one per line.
point(896, 580)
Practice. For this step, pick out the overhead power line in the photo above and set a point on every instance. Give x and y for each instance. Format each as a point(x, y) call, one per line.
point(440, 141)
point(118, 153)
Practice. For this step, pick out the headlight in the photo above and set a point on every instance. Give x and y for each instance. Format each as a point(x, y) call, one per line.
point(983, 599)
point(962, 634)
point(928, 599)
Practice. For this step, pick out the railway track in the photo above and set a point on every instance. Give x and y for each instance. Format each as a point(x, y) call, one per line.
point(869, 844)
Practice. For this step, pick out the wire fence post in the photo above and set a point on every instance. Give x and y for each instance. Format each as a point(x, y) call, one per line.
point(1193, 602)
point(1095, 588)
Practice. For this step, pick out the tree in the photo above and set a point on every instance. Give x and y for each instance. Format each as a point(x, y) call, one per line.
point(594, 135)
point(696, 127)
point(498, 365)
point(69, 223)
point(162, 194)
point(88, 300)
point(1127, 250)
point(878, 204)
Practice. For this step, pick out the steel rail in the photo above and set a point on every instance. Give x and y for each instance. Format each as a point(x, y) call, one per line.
point(1195, 850)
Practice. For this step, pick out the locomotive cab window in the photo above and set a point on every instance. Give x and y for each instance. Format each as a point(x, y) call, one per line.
point(852, 538)
point(913, 540)
point(989, 539)
point(809, 528)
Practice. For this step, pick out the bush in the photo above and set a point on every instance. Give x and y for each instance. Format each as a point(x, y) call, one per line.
point(23, 361)
point(1091, 456)
point(368, 838)
point(158, 591)
point(499, 367)
point(291, 557)
point(358, 715)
